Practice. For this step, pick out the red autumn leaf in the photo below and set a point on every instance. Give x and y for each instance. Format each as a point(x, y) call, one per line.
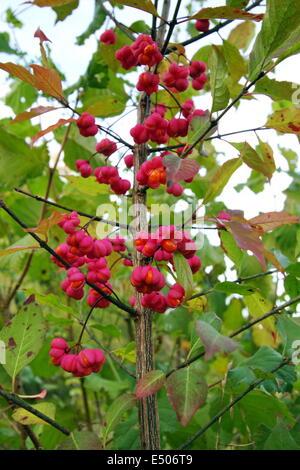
point(33, 112)
point(58, 124)
point(45, 224)
point(150, 384)
point(179, 169)
point(41, 35)
point(272, 220)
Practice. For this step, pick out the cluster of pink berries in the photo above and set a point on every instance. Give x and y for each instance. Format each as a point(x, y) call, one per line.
point(176, 78)
point(87, 125)
point(153, 173)
point(143, 51)
point(81, 364)
point(163, 243)
point(159, 130)
point(81, 249)
point(105, 174)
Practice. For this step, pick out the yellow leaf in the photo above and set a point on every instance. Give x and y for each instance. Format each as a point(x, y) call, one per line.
point(25, 417)
point(9, 251)
point(45, 224)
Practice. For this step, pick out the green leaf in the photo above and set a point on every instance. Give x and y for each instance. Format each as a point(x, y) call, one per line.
point(183, 273)
point(22, 416)
point(110, 330)
point(213, 340)
point(220, 178)
point(261, 160)
point(108, 106)
point(236, 64)
point(150, 383)
point(230, 247)
point(233, 288)
point(116, 412)
point(242, 35)
point(87, 186)
point(218, 77)
point(64, 11)
point(23, 338)
point(12, 19)
point(237, 3)
point(4, 44)
point(264, 359)
point(233, 317)
point(280, 439)
point(276, 90)
point(289, 330)
point(97, 22)
point(294, 269)
point(81, 440)
point(187, 392)
point(285, 120)
point(279, 33)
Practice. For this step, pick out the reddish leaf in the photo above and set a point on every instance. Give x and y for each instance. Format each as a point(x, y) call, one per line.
point(45, 224)
point(285, 120)
point(272, 220)
point(150, 384)
point(33, 112)
point(47, 80)
point(227, 13)
point(50, 3)
point(58, 124)
point(213, 341)
point(41, 35)
point(19, 72)
point(187, 392)
point(179, 169)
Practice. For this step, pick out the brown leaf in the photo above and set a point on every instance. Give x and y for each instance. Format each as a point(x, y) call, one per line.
point(19, 72)
point(58, 124)
point(273, 260)
point(47, 80)
point(45, 224)
point(33, 112)
point(272, 220)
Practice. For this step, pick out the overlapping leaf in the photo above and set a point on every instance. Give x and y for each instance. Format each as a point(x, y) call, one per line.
point(213, 341)
point(227, 13)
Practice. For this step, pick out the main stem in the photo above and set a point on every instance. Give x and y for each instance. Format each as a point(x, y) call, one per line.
point(148, 409)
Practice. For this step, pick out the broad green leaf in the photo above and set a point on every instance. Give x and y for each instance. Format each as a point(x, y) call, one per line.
point(187, 392)
point(257, 306)
point(87, 185)
point(226, 12)
point(145, 5)
point(22, 96)
point(22, 416)
point(64, 11)
point(81, 440)
point(17, 161)
point(292, 286)
point(264, 359)
point(242, 35)
point(220, 178)
point(294, 269)
point(233, 288)
point(52, 300)
point(116, 412)
point(289, 330)
point(274, 89)
point(218, 78)
point(5, 46)
point(109, 106)
point(183, 273)
point(279, 33)
point(261, 161)
point(240, 375)
point(23, 338)
point(232, 317)
point(110, 330)
point(285, 120)
point(150, 383)
point(230, 247)
point(213, 341)
point(280, 439)
point(236, 64)
point(237, 3)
